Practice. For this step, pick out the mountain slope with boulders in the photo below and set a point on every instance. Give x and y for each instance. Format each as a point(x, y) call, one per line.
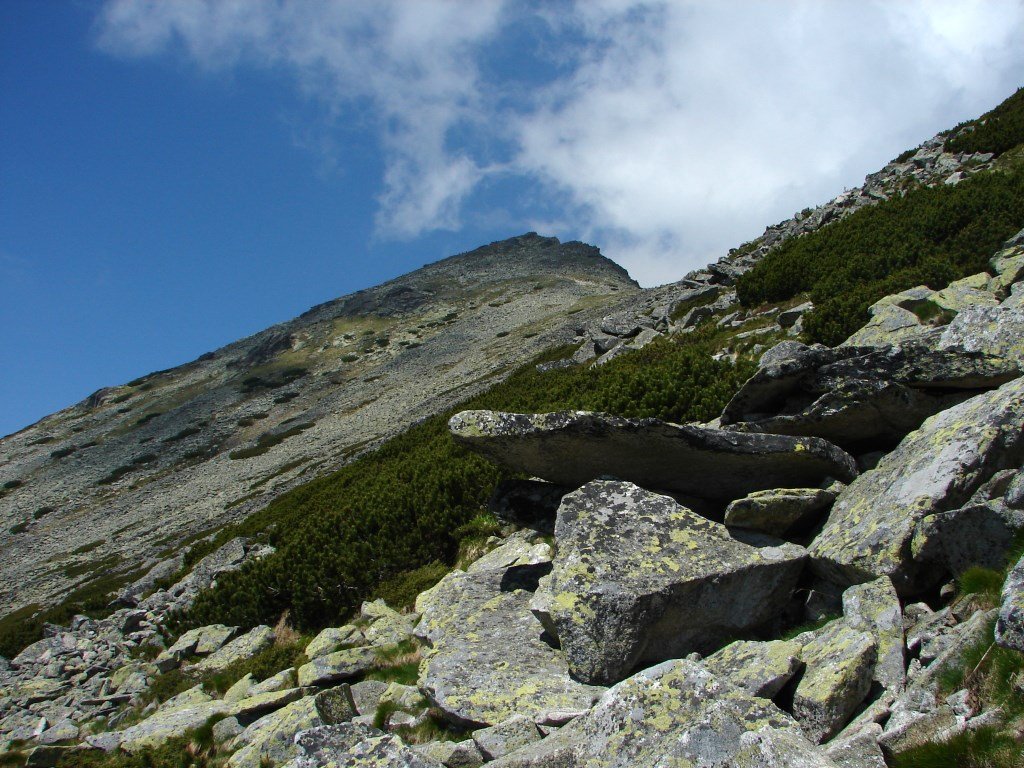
point(695, 536)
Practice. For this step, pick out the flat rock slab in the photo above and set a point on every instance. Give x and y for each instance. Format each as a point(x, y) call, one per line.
point(272, 737)
point(573, 447)
point(487, 659)
point(860, 397)
point(244, 647)
point(338, 666)
point(162, 726)
point(638, 579)
point(349, 745)
point(331, 638)
point(776, 511)
point(674, 714)
point(936, 468)
point(759, 668)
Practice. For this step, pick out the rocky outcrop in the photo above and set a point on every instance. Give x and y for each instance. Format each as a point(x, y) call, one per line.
point(638, 579)
point(1010, 623)
point(935, 468)
point(778, 510)
point(572, 448)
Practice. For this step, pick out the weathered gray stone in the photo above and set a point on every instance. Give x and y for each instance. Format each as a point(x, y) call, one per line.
point(336, 705)
point(487, 660)
point(638, 578)
point(331, 639)
point(505, 737)
point(936, 468)
point(674, 714)
point(366, 695)
point(777, 510)
point(521, 548)
point(974, 535)
point(787, 318)
point(890, 324)
point(262, 703)
point(201, 640)
point(968, 292)
point(283, 679)
point(1010, 623)
point(338, 666)
point(994, 331)
point(165, 725)
point(572, 448)
point(226, 729)
point(244, 647)
point(759, 668)
point(859, 749)
point(860, 398)
point(874, 607)
point(240, 689)
point(840, 661)
point(271, 738)
point(349, 745)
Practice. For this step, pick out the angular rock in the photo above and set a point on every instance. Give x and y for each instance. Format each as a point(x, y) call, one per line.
point(840, 662)
point(859, 398)
point(759, 668)
point(874, 607)
point(336, 705)
point(331, 639)
point(355, 746)
point(162, 726)
point(776, 511)
point(244, 647)
point(890, 324)
point(262, 703)
point(367, 694)
point(787, 318)
point(674, 714)
point(283, 679)
point(271, 738)
point(240, 689)
point(974, 535)
point(226, 729)
point(994, 331)
point(936, 468)
point(209, 639)
point(521, 548)
point(508, 736)
point(968, 292)
point(1010, 623)
point(572, 448)
point(338, 666)
point(638, 579)
point(859, 749)
point(488, 660)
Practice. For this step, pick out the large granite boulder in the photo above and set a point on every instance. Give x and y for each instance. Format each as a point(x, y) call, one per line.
point(488, 657)
point(243, 647)
point(1010, 623)
point(778, 510)
point(355, 746)
point(874, 607)
point(860, 398)
point(271, 739)
point(976, 535)
point(638, 579)
point(573, 447)
point(936, 468)
point(171, 723)
point(759, 668)
point(995, 331)
point(338, 666)
point(674, 714)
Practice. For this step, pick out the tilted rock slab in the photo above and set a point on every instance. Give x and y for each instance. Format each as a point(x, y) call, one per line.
point(244, 647)
point(487, 660)
point(860, 397)
point(936, 468)
point(349, 745)
point(1010, 623)
point(573, 447)
point(776, 511)
point(874, 607)
point(674, 714)
point(638, 578)
point(759, 668)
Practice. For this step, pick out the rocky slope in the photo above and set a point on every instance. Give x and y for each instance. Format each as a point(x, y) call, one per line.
point(132, 471)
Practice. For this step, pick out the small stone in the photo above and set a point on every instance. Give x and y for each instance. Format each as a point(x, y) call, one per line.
point(503, 738)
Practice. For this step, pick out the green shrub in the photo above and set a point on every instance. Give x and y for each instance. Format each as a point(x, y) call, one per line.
point(401, 590)
point(264, 664)
point(995, 131)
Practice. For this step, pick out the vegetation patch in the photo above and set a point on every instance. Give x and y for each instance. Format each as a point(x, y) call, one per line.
point(186, 432)
point(61, 453)
point(995, 131)
point(268, 440)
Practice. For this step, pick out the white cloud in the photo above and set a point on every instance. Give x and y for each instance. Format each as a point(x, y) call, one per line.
point(678, 129)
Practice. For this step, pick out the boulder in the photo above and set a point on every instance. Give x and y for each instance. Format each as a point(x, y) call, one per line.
point(787, 318)
point(336, 705)
point(994, 331)
point(1008, 265)
point(338, 666)
point(366, 694)
point(859, 398)
point(674, 714)
point(271, 738)
point(261, 703)
point(164, 725)
point(858, 749)
point(1010, 623)
point(778, 510)
point(283, 679)
point(331, 639)
point(487, 659)
point(572, 448)
point(968, 292)
point(890, 325)
point(503, 738)
point(521, 548)
point(936, 468)
point(245, 647)
point(461, 754)
point(201, 640)
point(975, 535)
point(874, 607)
point(355, 746)
point(840, 661)
point(638, 579)
point(758, 668)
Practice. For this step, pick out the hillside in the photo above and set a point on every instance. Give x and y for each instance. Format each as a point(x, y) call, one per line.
point(677, 530)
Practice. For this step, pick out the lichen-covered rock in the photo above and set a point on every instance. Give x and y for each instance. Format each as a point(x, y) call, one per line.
point(521, 548)
point(994, 331)
point(487, 659)
point(859, 749)
point(271, 738)
point(638, 579)
point(874, 607)
point(331, 639)
point(503, 738)
point(262, 703)
point(348, 745)
point(840, 661)
point(977, 535)
point(935, 468)
point(1008, 265)
point(759, 668)
point(336, 705)
point(244, 647)
point(777, 510)
point(165, 725)
point(283, 679)
point(571, 448)
point(890, 324)
point(859, 397)
point(366, 694)
point(967, 292)
point(674, 714)
point(1010, 624)
point(338, 666)
point(201, 640)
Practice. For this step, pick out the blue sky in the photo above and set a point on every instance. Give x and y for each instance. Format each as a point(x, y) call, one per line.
point(176, 175)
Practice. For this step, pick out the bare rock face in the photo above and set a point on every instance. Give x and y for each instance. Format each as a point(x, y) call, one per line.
point(1010, 623)
point(936, 468)
point(676, 713)
point(573, 447)
point(638, 579)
